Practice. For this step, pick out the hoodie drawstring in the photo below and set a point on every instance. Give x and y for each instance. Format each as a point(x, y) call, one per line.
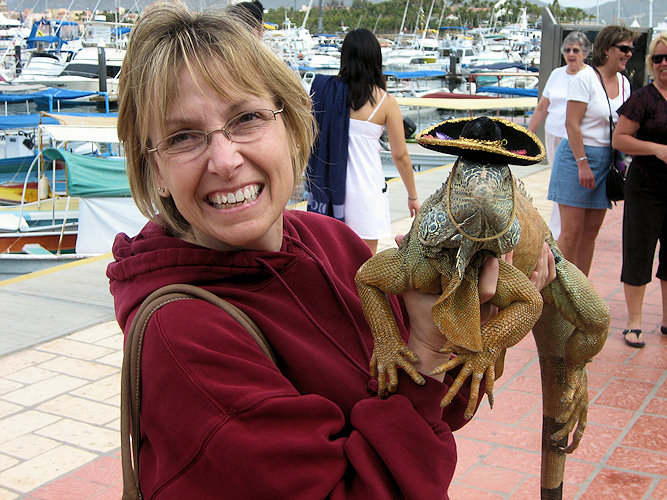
point(363, 370)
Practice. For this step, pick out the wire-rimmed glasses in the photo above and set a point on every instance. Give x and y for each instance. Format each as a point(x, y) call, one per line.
point(244, 127)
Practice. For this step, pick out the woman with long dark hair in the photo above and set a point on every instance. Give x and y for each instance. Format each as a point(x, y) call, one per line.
point(347, 180)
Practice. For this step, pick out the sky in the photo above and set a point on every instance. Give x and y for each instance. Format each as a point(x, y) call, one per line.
point(582, 4)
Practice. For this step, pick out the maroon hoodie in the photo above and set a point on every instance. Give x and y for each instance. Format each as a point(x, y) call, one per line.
point(219, 420)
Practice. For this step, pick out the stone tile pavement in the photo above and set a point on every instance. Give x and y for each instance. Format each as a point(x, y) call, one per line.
point(59, 400)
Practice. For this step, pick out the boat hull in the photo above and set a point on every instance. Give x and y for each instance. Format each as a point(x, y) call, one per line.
point(51, 241)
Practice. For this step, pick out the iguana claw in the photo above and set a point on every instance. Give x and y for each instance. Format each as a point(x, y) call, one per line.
point(384, 363)
point(475, 365)
point(576, 411)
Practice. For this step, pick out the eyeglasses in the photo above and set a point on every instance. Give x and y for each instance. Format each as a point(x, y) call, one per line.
point(624, 48)
point(658, 58)
point(574, 50)
point(245, 127)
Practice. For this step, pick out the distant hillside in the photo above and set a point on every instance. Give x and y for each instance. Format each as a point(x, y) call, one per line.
point(629, 10)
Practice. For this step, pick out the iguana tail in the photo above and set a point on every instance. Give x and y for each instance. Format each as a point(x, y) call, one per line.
point(554, 386)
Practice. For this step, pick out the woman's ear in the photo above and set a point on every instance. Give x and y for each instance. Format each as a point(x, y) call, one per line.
point(159, 181)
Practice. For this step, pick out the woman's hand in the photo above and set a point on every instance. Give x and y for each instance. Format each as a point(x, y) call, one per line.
point(661, 152)
point(586, 176)
point(413, 206)
point(425, 337)
point(545, 270)
point(426, 340)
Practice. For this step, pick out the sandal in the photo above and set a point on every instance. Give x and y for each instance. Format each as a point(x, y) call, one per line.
point(637, 343)
point(663, 330)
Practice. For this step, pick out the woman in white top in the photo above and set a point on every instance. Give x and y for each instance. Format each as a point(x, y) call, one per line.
point(371, 109)
point(552, 105)
point(579, 172)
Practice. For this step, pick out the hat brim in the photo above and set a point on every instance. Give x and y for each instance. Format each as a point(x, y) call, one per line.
point(520, 146)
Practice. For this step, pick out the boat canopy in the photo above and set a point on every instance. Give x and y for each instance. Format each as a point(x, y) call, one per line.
point(90, 177)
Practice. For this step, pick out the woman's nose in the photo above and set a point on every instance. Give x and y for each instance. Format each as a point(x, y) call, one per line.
point(223, 155)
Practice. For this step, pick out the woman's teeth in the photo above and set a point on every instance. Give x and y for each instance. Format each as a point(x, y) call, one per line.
point(248, 193)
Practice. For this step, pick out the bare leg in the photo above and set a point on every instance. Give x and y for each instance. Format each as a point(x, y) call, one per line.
point(373, 245)
point(592, 223)
point(571, 225)
point(579, 229)
point(634, 299)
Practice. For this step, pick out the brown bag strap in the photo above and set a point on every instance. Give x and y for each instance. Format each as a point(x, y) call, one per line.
point(130, 393)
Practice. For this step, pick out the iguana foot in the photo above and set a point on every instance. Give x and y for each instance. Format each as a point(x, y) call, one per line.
point(475, 365)
point(384, 363)
point(576, 410)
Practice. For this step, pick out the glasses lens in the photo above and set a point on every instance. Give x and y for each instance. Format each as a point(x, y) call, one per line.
point(250, 125)
point(574, 50)
point(181, 142)
point(658, 58)
point(624, 48)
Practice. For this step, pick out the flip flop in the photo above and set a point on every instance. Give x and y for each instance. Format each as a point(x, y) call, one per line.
point(637, 343)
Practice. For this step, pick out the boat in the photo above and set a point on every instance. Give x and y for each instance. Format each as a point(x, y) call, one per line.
point(97, 205)
point(92, 64)
point(49, 47)
point(52, 220)
point(104, 42)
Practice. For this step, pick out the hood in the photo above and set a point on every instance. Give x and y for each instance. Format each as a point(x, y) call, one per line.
point(153, 259)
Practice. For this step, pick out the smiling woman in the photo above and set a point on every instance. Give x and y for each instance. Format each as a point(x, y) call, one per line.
point(578, 176)
point(641, 131)
point(217, 132)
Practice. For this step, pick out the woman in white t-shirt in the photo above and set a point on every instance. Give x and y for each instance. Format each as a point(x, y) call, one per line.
point(579, 172)
point(552, 105)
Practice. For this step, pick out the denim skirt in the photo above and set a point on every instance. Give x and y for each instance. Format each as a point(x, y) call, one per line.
point(564, 187)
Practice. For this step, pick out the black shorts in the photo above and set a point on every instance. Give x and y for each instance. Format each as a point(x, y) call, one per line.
point(644, 223)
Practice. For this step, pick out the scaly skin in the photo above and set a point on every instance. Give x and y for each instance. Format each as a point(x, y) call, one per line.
point(493, 216)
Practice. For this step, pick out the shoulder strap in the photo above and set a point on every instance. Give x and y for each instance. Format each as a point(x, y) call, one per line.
point(130, 393)
point(377, 107)
point(611, 118)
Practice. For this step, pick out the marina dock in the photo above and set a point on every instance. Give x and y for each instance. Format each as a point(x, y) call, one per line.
point(61, 351)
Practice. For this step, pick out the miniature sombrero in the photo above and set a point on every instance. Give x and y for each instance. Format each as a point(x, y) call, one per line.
point(484, 139)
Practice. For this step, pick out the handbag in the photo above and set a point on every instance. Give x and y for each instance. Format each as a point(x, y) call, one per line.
point(618, 163)
point(130, 392)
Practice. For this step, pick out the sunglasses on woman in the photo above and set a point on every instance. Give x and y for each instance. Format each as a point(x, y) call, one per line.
point(574, 50)
point(658, 58)
point(625, 48)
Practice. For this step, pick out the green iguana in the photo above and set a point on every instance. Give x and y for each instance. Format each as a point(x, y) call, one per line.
point(482, 211)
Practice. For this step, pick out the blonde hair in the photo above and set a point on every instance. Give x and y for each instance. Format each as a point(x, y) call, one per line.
point(224, 53)
point(661, 37)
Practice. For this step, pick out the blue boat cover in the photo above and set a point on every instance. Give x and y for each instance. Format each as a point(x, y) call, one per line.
point(416, 74)
point(55, 94)
point(509, 91)
point(503, 65)
point(92, 176)
point(13, 122)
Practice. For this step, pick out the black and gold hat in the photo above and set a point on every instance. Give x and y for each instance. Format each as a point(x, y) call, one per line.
point(484, 139)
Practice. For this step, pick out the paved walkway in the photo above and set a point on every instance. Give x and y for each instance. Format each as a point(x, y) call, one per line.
point(59, 436)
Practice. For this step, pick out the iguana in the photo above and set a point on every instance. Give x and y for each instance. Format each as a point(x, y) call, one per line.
point(479, 212)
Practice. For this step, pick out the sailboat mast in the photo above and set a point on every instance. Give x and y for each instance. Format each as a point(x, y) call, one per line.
point(405, 13)
point(428, 20)
point(305, 19)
